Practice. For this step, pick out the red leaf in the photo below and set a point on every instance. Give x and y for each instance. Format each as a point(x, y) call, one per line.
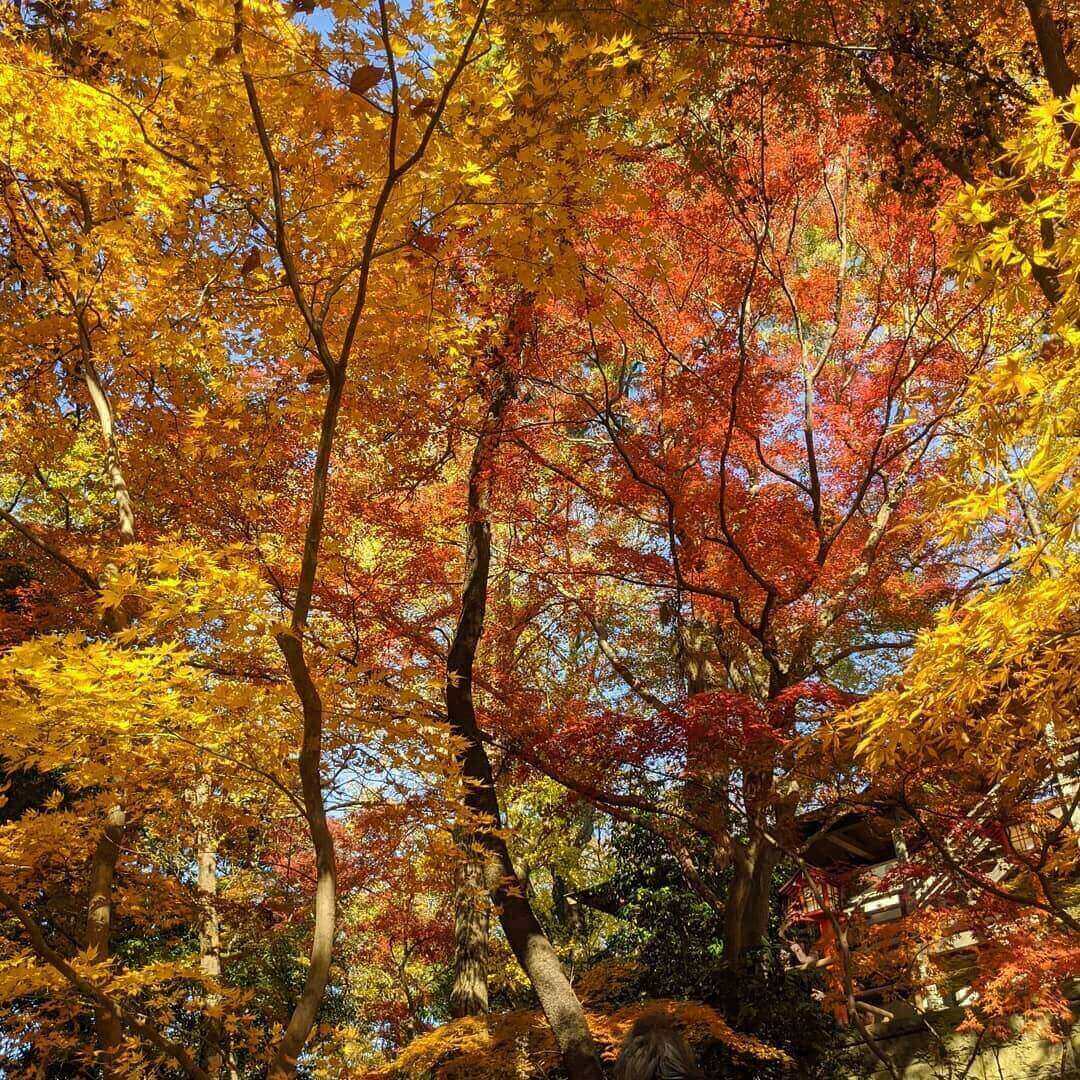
point(252, 262)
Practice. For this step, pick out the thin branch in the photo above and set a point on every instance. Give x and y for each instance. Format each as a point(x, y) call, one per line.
point(54, 553)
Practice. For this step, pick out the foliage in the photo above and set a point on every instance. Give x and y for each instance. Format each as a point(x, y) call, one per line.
point(678, 941)
point(736, 345)
point(982, 723)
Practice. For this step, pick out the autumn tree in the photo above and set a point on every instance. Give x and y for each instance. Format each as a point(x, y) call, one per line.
point(206, 277)
point(433, 434)
point(978, 736)
point(734, 452)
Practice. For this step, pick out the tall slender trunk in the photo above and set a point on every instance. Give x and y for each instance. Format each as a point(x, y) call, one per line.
point(212, 1052)
point(472, 918)
point(307, 1007)
point(99, 927)
point(759, 907)
point(210, 958)
point(103, 863)
point(103, 408)
point(526, 937)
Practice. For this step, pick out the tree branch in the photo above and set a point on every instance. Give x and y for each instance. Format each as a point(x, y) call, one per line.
point(97, 996)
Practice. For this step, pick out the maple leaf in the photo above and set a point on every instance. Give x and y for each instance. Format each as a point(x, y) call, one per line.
point(366, 77)
point(252, 261)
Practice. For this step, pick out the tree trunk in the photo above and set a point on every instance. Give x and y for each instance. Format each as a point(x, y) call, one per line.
point(103, 864)
point(99, 927)
point(212, 1056)
point(737, 903)
point(526, 937)
point(306, 1010)
point(749, 901)
point(472, 917)
point(760, 903)
point(103, 408)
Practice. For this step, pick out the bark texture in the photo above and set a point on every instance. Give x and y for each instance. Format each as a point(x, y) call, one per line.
point(322, 841)
point(99, 928)
point(472, 918)
point(212, 1052)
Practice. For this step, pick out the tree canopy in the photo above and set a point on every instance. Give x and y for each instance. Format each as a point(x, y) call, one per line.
point(487, 490)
